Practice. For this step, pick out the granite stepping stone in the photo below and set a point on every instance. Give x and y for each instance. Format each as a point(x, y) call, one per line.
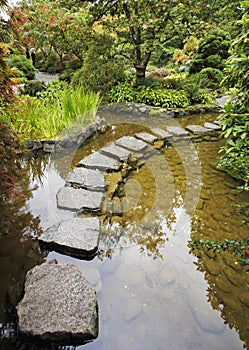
point(212, 126)
point(99, 161)
point(146, 137)
point(197, 129)
point(78, 237)
point(116, 152)
point(79, 199)
point(163, 134)
point(89, 179)
point(59, 305)
point(177, 131)
point(132, 144)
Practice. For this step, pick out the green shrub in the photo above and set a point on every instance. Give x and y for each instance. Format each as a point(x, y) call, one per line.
point(154, 97)
point(100, 71)
point(212, 51)
point(163, 98)
point(211, 78)
point(122, 92)
point(23, 65)
point(50, 64)
point(31, 88)
point(173, 81)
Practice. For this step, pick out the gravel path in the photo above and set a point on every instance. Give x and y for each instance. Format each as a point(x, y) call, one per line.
point(46, 77)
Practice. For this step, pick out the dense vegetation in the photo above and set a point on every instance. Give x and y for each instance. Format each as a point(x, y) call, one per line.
point(163, 53)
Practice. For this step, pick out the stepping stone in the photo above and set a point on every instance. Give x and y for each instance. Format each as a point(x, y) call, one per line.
point(217, 122)
point(116, 152)
point(78, 237)
point(146, 137)
point(163, 134)
point(212, 126)
point(99, 161)
point(197, 129)
point(78, 199)
point(59, 305)
point(177, 131)
point(92, 180)
point(132, 144)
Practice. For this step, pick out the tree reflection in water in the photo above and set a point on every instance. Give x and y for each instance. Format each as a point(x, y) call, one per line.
point(18, 250)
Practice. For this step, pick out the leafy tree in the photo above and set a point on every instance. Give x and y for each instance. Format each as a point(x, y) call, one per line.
point(139, 26)
point(49, 27)
point(235, 120)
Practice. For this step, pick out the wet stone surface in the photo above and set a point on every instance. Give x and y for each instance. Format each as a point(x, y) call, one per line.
point(78, 237)
point(99, 161)
point(59, 305)
point(114, 151)
point(144, 136)
point(197, 129)
point(89, 179)
point(79, 199)
point(163, 134)
point(212, 126)
point(177, 131)
point(132, 144)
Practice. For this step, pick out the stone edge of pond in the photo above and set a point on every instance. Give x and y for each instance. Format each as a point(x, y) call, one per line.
point(70, 140)
point(143, 110)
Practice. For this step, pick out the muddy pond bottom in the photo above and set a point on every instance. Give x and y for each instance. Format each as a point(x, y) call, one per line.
point(152, 292)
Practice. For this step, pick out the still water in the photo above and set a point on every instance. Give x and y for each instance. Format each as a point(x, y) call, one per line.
point(152, 292)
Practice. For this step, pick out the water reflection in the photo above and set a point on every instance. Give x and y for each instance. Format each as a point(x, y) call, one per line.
point(18, 250)
point(151, 291)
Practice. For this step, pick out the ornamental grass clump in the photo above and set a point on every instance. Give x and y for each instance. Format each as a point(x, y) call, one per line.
point(51, 111)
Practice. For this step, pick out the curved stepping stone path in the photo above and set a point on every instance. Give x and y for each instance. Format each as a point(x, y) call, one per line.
point(59, 305)
point(78, 237)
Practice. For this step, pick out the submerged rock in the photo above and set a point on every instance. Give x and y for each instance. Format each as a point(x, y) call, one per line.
point(59, 305)
point(78, 237)
point(78, 199)
point(89, 179)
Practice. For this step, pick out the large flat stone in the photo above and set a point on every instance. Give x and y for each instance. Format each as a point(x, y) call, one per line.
point(197, 129)
point(59, 305)
point(99, 161)
point(163, 134)
point(116, 152)
point(146, 137)
point(89, 179)
point(78, 237)
point(177, 131)
point(78, 199)
point(212, 126)
point(132, 144)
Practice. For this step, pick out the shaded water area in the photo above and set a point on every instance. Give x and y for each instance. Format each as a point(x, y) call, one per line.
point(152, 292)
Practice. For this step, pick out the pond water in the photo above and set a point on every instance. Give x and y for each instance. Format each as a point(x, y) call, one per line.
point(152, 292)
